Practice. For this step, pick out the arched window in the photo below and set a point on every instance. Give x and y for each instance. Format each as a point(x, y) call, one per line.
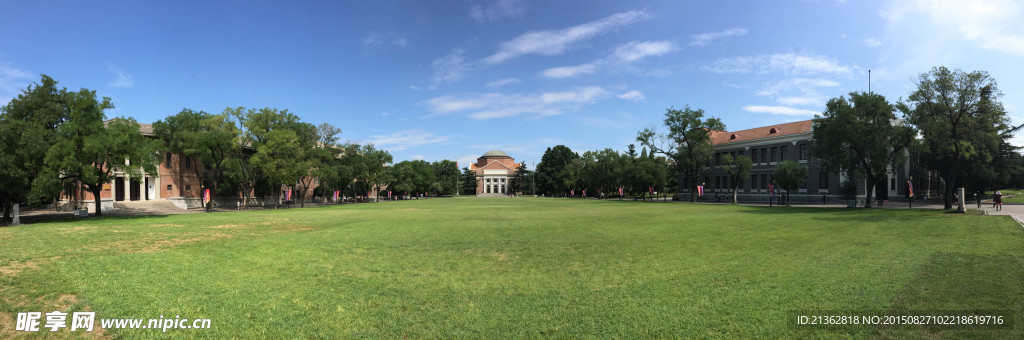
point(773, 130)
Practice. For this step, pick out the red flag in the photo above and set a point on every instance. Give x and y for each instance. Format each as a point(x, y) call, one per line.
point(620, 191)
point(389, 193)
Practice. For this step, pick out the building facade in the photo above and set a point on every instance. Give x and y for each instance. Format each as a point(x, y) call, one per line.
point(768, 145)
point(494, 172)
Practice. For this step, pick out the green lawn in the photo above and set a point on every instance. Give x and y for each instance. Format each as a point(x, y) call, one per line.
point(499, 268)
point(1017, 196)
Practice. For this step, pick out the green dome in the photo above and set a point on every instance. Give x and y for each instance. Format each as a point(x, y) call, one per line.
point(496, 153)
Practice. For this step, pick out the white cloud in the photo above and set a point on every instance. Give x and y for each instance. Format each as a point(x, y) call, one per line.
point(121, 78)
point(779, 110)
point(872, 42)
point(450, 68)
point(466, 160)
point(502, 82)
point(497, 105)
point(636, 50)
point(569, 71)
point(634, 95)
point(381, 41)
point(800, 85)
point(497, 9)
point(12, 81)
point(402, 140)
point(704, 39)
point(993, 24)
point(417, 157)
point(788, 63)
point(801, 101)
point(556, 42)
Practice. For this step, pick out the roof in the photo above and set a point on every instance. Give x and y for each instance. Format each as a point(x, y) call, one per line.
point(145, 129)
point(794, 128)
point(496, 153)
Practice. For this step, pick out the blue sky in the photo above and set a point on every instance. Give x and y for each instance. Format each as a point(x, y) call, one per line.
point(453, 79)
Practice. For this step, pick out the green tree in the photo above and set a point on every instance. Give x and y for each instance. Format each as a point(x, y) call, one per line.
point(737, 168)
point(468, 182)
point(861, 136)
point(550, 170)
point(960, 119)
point(520, 179)
point(790, 175)
point(204, 138)
point(447, 174)
point(28, 127)
point(687, 143)
point(325, 161)
point(88, 149)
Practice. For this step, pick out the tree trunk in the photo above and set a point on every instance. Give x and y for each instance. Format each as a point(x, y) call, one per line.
point(947, 199)
point(869, 189)
point(735, 190)
point(7, 214)
point(96, 195)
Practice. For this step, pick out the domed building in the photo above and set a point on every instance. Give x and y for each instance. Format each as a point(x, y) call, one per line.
point(494, 171)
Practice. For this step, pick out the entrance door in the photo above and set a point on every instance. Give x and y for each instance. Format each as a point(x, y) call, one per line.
point(119, 188)
point(147, 188)
point(135, 192)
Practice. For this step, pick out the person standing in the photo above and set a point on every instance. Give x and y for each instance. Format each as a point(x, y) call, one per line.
point(977, 196)
point(998, 199)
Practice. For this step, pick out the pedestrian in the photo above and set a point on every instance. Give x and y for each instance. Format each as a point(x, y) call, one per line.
point(977, 196)
point(822, 198)
point(998, 198)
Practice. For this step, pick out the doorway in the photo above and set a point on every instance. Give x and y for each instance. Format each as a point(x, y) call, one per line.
point(119, 189)
point(135, 189)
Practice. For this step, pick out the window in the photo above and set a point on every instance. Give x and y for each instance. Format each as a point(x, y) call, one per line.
point(753, 182)
point(764, 181)
point(188, 188)
point(822, 180)
point(168, 157)
point(718, 182)
point(188, 162)
point(168, 187)
point(892, 183)
point(707, 180)
point(782, 153)
point(753, 156)
point(803, 152)
point(718, 158)
point(775, 153)
point(764, 155)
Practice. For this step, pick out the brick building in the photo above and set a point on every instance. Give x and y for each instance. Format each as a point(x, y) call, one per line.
point(494, 172)
point(177, 181)
point(768, 145)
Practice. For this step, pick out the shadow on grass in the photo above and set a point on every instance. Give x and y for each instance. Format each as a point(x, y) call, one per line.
point(963, 284)
point(69, 218)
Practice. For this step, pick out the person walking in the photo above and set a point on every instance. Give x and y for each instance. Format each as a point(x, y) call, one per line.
point(977, 196)
point(998, 199)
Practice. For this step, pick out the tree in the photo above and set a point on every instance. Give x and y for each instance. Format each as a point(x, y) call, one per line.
point(960, 118)
point(447, 174)
point(790, 175)
point(687, 143)
point(468, 182)
point(279, 141)
point(861, 136)
point(240, 170)
point(28, 127)
point(89, 149)
point(519, 180)
point(374, 168)
point(202, 137)
point(324, 161)
point(550, 169)
point(737, 169)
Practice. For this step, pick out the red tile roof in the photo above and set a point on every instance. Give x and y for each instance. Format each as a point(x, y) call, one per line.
point(726, 137)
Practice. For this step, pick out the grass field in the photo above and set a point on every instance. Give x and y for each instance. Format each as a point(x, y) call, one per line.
point(1017, 196)
point(499, 268)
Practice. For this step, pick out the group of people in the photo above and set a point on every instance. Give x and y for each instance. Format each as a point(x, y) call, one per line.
point(997, 200)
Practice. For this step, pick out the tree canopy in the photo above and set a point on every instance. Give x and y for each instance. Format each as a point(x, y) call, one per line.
point(687, 143)
point(861, 137)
